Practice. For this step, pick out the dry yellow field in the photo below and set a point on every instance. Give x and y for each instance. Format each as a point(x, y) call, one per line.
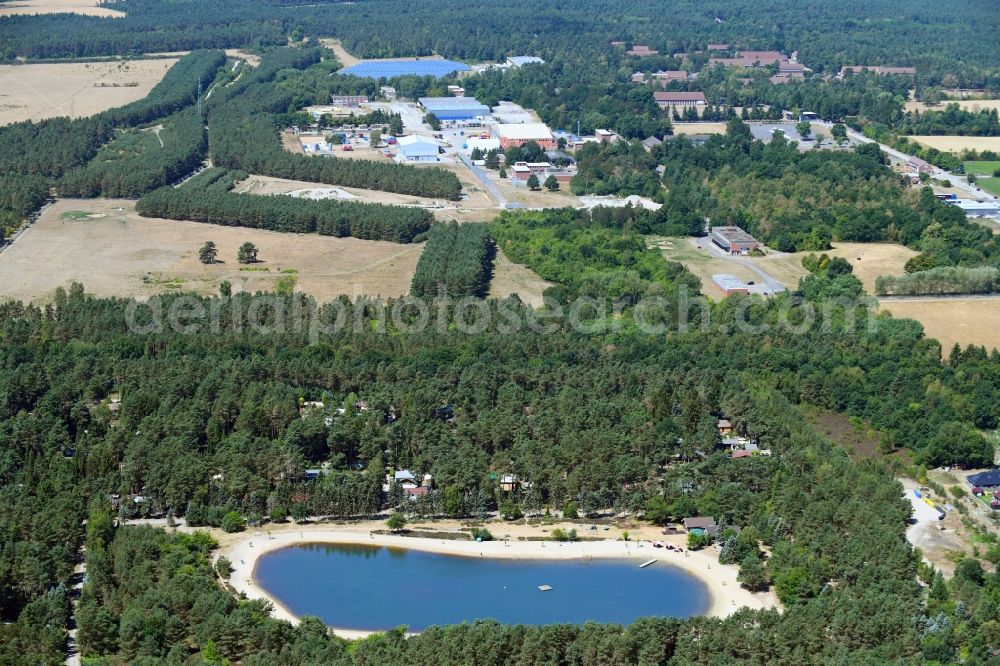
point(967, 321)
point(85, 7)
point(965, 105)
point(958, 143)
point(343, 57)
point(37, 91)
point(869, 260)
point(510, 278)
point(118, 253)
point(699, 128)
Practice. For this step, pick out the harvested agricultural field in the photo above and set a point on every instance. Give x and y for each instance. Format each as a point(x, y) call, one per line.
point(953, 144)
point(85, 7)
point(105, 245)
point(37, 91)
point(964, 104)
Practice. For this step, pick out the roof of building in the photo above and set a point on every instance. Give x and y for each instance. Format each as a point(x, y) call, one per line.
point(877, 69)
point(724, 423)
point(670, 74)
point(733, 234)
point(525, 131)
point(788, 66)
point(453, 103)
point(699, 522)
point(718, 47)
point(651, 141)
point(679, 96)
point(985, 479)
point(762, 56)
point(377, 69)
point(741, 453)
point(729, 282)
point(404, 474)
point(520, 61)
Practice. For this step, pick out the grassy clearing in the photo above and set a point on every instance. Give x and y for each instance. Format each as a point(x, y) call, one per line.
point(991, 185)
point(986, 168)
point(75, 215)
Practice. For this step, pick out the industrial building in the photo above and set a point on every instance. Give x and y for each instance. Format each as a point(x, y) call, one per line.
point(521, 61)
point(349, 101)
point(733, 240)
point(387, 69)
point(416, 148)
point(730, 284)
point(521, 133)
point(976, 208)
point(454, 108)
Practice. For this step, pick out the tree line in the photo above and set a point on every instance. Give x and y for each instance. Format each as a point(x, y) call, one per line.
point(208, 198)
point(137, 161)
point(457, 261)
point(941, 280)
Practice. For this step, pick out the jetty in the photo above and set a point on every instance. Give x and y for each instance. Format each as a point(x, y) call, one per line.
point(646, 563)
point(544, 588)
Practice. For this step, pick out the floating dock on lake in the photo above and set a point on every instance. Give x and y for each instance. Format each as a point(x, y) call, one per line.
point(545, 588)
point(646, 564)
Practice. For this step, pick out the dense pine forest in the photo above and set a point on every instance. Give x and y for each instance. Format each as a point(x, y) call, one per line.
point(609, 408)
point(208, 197)
point(457, 261)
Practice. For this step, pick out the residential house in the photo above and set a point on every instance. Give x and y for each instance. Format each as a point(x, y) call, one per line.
point(650, 142)
point(703, 524)
point(987, 479)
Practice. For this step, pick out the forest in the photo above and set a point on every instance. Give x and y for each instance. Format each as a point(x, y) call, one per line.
point(457, 261)
point(208, 198)
point(34, 156)
point(802, 201)
point(607, 411)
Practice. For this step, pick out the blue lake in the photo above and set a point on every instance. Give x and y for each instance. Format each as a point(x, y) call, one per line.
point(374, 588)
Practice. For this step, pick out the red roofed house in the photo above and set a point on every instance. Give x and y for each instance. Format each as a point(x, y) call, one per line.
point(762, 57)
point(683, 99)
point(641, 50)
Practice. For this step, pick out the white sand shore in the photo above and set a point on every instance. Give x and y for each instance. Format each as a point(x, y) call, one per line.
point(726, 595)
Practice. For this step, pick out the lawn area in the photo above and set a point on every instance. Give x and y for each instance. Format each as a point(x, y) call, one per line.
point(984, 168)
point(991, 185)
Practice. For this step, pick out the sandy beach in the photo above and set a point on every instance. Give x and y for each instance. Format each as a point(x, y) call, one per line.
point(726, 595)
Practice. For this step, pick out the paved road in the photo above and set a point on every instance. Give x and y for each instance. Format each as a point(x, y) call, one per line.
point(484, 179)
point(957, 181)
point(775, 285)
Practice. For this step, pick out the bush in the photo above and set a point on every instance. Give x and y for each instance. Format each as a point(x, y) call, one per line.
point(560, 534)
point(571, 511)
point(481, 534)
point(232, 522)
point(224, 567)
point(396, 522)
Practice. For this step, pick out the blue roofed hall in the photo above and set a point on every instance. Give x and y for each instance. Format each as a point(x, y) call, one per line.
point(387, 69)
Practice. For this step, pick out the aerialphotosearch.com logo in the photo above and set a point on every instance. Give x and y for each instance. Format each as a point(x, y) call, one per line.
point(299, 315)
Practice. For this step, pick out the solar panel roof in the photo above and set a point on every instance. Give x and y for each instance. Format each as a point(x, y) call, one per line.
point(377, 69)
